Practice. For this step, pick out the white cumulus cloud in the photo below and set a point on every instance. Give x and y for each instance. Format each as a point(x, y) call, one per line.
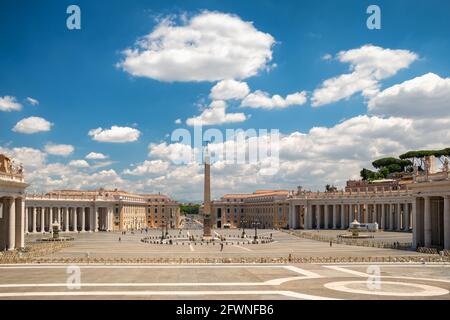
point(210, 46)
point(216, 114)
point(96, 156)
point(59, 149)
point(79, 164)
point(229, 89)
point(174, 152)
point(32, 125)
point(31, 158)
point(9, 103)
point(261, 99)
point(115, 135)
point(422, 97)
point(368, 65)
point(148, 167)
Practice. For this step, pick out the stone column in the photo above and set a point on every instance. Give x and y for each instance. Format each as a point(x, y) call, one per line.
point(108, 222)
point(26, 228)
point(359, 213)
point(10, 213)
point(291, 215)
point(391, 216)
point(20, 219)
point(96, 213)
point(343, 224)
point(447, 222)
point(75, 219)
point(83, 219)
point(414, 223)
point(318, 216)
point(2, 225)
point(375, 213)
point(308, 213)
point(367, 213)
point(66, 222)
point(50, 219)
point(42, 220)
point(383, 216)
point(334, 215)
point(326, 213)
point(427, 222)
point(33, 216)
point(399, 216)
point(406, 217)
point(4, 211)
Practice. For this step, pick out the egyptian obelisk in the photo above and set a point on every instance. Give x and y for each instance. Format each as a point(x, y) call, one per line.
point(207, 198)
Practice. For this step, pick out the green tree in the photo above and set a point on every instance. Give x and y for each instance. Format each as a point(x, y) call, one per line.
point(190, 209)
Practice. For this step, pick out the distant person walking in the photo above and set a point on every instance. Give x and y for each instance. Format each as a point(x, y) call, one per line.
point(221, 246)
point(120, 239)
point(331, 243)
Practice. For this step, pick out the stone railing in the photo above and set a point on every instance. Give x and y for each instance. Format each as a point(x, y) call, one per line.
point(438, 176)
point(69, 197)
point(16, 177)
point(348, 195)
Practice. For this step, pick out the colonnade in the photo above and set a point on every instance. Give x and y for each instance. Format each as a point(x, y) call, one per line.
point(432, 221)
point(39, 219)
point(11, 223)
point(394, 216)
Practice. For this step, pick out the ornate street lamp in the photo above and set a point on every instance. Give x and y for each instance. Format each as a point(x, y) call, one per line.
point(162, 230)
point(243, 222)
point(256, 223)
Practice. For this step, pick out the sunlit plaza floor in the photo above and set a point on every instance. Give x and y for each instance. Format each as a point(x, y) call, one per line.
point(107, 244)
point(223, 281)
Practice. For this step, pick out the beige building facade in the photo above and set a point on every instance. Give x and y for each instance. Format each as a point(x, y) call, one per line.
point(99, 210)
point(421, 207)
point(267, 208)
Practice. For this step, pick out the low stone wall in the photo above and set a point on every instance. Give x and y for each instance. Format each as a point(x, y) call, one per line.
point(254, 260)
point(352, 242)
point(32, 251)
point(444, 252)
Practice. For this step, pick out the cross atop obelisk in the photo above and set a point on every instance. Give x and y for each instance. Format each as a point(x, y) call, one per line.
point(207, 196)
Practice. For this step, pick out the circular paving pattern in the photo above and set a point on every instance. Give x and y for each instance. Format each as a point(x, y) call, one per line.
point(387, 288)
point(200, 241)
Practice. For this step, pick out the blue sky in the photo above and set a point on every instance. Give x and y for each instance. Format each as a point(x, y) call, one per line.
point(75, 77)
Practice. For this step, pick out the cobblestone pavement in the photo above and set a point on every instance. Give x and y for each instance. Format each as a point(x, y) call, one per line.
point(235, 282)
point(222, 281)
point(106, 245)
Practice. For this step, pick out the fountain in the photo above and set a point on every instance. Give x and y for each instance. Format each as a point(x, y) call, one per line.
point(355, 229)
point(55, 235)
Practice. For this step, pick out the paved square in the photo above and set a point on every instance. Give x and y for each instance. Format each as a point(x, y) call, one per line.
point(104, 245)
point(221, 281)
